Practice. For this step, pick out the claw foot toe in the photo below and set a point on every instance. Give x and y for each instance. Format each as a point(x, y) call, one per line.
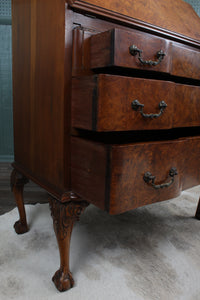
point(20, 228)
point(63, 281)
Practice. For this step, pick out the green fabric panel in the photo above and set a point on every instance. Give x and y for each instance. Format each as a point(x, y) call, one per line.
point(5, 12)
point(6, 124)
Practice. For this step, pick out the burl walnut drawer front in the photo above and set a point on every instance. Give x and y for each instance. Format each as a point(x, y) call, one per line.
point(139, 50)
point(117, 103)
point(122, 48)
point(185, 62)
point(122, 177)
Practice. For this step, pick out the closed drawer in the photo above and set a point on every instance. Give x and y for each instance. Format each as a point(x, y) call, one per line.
point(106, 103)
point(186, 106)
point(185, 62)
point(112, 176)
point(112, 49)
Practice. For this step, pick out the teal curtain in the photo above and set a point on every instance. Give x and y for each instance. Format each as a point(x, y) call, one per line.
point(6, 125)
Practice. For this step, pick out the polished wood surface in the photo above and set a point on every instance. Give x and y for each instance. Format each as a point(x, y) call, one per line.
point(107, 103)
point(111, 48)
point(89, 170)
point(56, 122)
point(38, 89)
point(125, 167)
point(185, 61)
point(186, 106)
point(17, 185)
point(64, 216)
point(108, 98)
point(173, 15)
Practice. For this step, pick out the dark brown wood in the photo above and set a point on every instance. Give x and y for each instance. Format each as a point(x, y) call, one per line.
point(112, 49)
point(64, 216)
point(197, 215)
point(39, 108)
point(51, 45)
point(17, 182)
point(103, 103)
point(185, 61)
point(175, 18)
point(186, 106)
point(89, 170)
point(123, 186)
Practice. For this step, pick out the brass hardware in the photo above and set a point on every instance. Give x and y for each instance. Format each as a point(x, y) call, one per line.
point(134, 51)
point(150, 179)
point(137, 106)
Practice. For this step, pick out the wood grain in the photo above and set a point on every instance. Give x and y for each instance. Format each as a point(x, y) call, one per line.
point(172, 15)
point(38, 89)
point(186, 106)
point(103, 103)
point(88, 170)
point(64, 217)
point(123, 188)
point(185, 62)
point(111, 48)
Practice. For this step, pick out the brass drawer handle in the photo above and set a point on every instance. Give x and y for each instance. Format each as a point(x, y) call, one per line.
point(137, 106)
point(149, 178)
point(134, 51)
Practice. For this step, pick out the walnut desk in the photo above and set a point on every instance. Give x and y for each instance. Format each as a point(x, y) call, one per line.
point(106, 106)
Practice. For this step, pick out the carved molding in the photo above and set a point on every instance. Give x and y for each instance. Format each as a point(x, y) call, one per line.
point(136, 23)
point(70, 196)
point(65, 214)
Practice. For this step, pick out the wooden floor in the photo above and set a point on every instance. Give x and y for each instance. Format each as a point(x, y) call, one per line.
point(32, 193)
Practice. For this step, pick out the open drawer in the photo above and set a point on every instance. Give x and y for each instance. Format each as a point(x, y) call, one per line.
point(117, 103)
point(143, 51)
point(119, 178)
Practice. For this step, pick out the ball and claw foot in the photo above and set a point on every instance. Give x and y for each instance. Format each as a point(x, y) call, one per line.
point(20, 228)
point(63, 281)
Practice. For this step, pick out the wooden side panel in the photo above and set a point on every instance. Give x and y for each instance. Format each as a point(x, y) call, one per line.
point(84, 98)
point(186, 106)
point(190, 162)
point(185, 62)
point(173, 15)
point(38, 76)
point(101, 49)
point(89, 170)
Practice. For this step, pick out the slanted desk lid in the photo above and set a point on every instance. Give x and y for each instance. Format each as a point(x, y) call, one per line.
point(175, 18)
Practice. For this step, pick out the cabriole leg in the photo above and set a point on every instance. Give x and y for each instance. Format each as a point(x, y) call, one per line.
point(197, 215)
point(64, 215)
point(17, 185)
